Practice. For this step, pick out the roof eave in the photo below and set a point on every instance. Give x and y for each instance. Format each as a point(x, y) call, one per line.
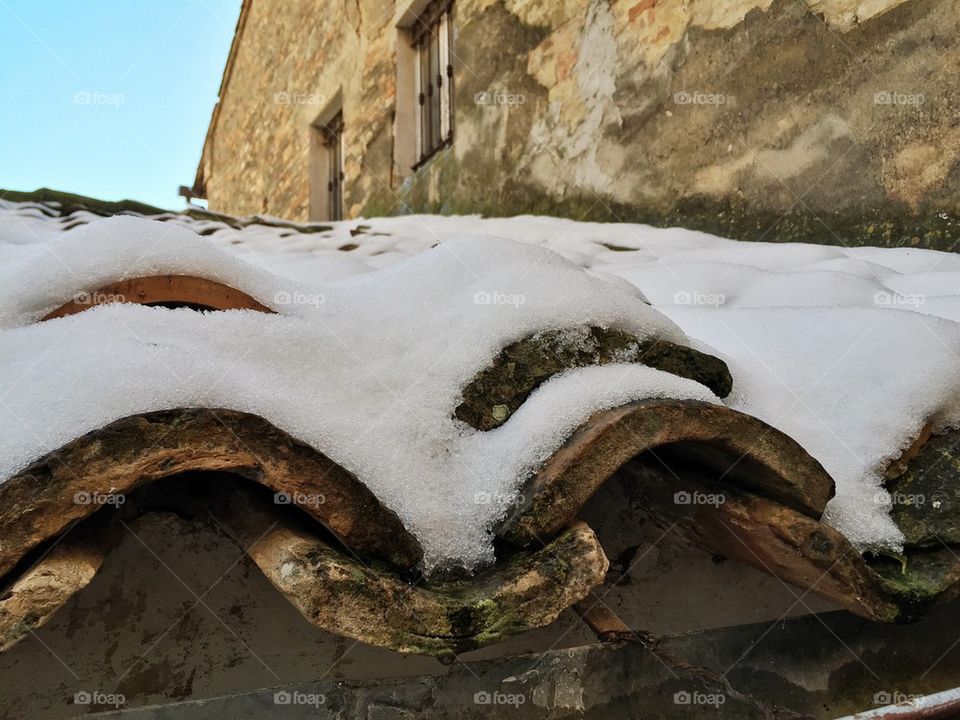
point(199, 188)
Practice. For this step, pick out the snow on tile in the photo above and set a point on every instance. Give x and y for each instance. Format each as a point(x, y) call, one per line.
point(367, 370)
point(853, 385)
point(848, 350)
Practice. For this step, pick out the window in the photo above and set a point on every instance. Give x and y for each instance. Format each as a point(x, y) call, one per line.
point(326, 167)
point(333, 140)
point(431, 39)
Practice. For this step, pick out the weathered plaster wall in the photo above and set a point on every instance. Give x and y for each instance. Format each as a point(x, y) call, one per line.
point(819, 120)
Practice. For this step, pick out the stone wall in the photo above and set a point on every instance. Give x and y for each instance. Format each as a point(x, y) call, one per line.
point(817, 120)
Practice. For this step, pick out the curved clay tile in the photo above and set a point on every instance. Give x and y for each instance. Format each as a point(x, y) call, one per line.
point(179, 290)
point(745, 450)
point(520, 368)
point(773, 496)
point(797, 548)
point(339, 594)
point(334, 591)
point(766, 535)
point(36, 595)
point(41, 501)
point(925, 483)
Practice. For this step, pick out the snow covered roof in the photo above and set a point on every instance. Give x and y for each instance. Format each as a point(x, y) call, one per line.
point(843, 361)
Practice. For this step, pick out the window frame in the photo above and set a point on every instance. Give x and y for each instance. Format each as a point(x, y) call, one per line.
point(332, 138)
point(326, 160)
point(431, 37)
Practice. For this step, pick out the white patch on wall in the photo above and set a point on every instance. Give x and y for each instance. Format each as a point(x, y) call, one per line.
point(559, 155)
point(845, 14)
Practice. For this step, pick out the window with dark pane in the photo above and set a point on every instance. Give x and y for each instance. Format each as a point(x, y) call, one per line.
point(431, 34)
point(333, 140)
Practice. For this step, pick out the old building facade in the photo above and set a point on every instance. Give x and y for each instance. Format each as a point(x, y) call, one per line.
point(787, 119)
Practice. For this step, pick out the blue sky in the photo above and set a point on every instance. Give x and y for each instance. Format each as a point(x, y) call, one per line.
point(109, 98)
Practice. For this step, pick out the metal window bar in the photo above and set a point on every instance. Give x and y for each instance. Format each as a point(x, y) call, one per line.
point(446, 71)
point(436, 81)
point(425, 99)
